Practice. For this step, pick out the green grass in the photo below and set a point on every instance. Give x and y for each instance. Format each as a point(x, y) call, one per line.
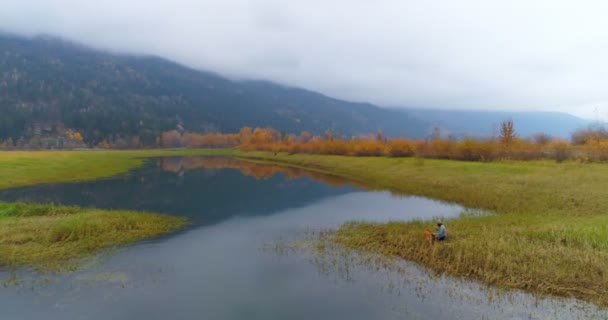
point(548, 231)
point(21, 168)
point(48, 237)
point(55, 238)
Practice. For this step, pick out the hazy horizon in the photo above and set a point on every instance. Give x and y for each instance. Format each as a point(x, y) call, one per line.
point(465, 55)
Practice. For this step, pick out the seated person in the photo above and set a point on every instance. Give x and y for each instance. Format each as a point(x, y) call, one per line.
point(441, 233)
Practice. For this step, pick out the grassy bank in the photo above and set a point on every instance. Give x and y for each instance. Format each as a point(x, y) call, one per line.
point(20, 168)
point(549, 233)
point(48, 237)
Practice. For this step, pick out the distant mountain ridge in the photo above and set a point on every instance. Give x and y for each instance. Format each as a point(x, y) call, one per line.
point(48, 85)
point(49, 81)
point(487, 123)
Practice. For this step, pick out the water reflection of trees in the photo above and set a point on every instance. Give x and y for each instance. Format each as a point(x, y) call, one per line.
point(256, 170)
point(205, 196)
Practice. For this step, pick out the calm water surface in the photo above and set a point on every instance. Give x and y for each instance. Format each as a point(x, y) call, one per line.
point(229, 263)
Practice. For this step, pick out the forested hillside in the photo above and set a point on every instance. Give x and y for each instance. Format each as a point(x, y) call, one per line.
point(48, 86)
point(57, 94)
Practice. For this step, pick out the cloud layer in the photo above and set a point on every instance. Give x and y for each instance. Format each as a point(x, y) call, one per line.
point(507, 55)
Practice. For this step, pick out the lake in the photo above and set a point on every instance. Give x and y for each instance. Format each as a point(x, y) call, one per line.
point(238, 259)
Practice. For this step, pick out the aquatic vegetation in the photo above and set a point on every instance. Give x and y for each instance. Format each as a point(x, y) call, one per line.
point(549, 233)
point(48, 237)
point(415, 285)
point(107, 277)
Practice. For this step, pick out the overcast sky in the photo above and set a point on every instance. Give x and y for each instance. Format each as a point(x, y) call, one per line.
point(452, 54)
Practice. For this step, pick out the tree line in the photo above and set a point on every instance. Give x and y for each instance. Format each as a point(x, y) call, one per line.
point(589, 144)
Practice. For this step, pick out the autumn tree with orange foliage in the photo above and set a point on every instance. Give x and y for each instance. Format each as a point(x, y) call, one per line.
point(400, 148)
point(171, 139)
point(507, 146)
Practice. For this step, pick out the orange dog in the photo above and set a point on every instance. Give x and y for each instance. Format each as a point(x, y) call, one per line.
point(428, 236)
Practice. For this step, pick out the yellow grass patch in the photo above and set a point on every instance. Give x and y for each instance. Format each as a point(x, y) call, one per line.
point(48, 237)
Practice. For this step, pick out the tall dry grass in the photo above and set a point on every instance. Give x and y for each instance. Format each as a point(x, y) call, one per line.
point(546, 230)
point(48, 237)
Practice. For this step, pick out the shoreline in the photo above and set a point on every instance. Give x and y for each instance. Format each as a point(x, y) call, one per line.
point(549, 233)
point(46, 237)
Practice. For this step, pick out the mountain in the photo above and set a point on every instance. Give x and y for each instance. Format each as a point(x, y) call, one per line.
point(51, 87)
point(487, 123)
point(47, 84)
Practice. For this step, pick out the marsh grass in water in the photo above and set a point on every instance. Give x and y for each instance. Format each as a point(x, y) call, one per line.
point(55, 238)
point(548, 233)
point(394, 276)
point(479, 248)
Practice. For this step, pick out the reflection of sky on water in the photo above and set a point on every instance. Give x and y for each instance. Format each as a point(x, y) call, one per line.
point(206, 190)
point(229, 265)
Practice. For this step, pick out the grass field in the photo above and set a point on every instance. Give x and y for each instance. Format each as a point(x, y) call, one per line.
point(547, 231)
point(48, 237)
point(19, 168)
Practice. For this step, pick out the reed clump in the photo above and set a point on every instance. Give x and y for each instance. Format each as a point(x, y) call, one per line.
point(54, 238)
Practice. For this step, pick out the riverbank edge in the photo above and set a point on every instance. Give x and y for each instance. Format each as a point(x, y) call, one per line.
point(546, 237)
point(46, 237)
point(539, 246)
point(23, 168)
